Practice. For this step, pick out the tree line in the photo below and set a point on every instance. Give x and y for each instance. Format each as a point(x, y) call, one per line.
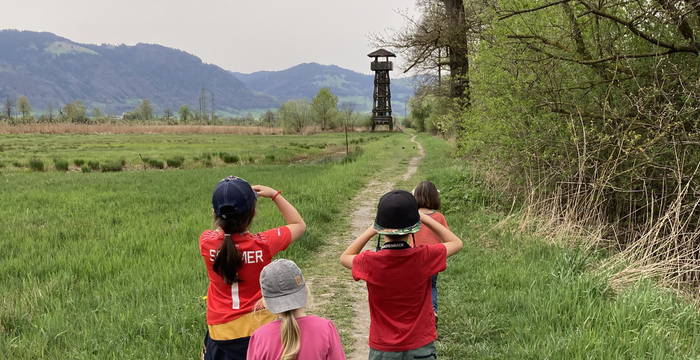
point(322, 113)
point(589, 108)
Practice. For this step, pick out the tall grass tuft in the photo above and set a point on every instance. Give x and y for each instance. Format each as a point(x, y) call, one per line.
point(230, 158)
point(79, 162)
point(175, 162)
point(93, 165)
point(36, 164)
point(154, 163)
point(112, 166)
point(60, 165)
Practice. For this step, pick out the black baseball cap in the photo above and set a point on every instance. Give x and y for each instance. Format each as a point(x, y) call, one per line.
point(397, 214)
point(233, 196)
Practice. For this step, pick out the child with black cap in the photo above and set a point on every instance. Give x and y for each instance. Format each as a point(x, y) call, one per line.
point(402, 321)
point(234, 259)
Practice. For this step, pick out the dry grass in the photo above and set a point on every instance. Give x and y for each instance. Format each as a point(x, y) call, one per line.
point(135, 129)
point(664, 249)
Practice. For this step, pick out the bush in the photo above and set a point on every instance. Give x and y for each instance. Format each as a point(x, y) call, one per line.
point(251, 160)
point(85, 169)
point(36, 164)
point(2, 164)
point(61, 165)
point(17, 164)
point(93, 165)
point(79, 162)
point(112, 166)
point(270, 157)
point(175, 162)
point(230, 158)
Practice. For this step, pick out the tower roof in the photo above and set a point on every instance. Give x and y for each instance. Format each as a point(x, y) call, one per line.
point(381, 53)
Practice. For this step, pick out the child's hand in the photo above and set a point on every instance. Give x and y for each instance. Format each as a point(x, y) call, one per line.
point(371, 231)
point(264, 191)
point(424, 217)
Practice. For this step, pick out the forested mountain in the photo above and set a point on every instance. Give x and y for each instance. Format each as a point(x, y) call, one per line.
point(304, 81)
point(51, 71)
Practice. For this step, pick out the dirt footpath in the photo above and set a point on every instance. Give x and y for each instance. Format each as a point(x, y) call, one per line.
point(332, 284)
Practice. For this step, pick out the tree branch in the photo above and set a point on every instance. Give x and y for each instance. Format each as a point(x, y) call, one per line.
point(643, 35)
point(525, 11)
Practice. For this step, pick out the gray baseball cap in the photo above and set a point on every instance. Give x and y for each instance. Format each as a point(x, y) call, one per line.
point(283, 286)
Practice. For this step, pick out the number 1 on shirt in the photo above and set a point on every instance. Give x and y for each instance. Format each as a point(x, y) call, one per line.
point(235, 299)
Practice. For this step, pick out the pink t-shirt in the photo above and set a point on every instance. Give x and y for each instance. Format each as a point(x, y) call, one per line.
point(319, 340)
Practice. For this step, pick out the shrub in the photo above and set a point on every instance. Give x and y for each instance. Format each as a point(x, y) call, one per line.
point(251, 160)
point(79, 162)
point(61, 165)
point(230, 158)
point(175, 162)
point(94, 165)
point(123, 162)
point(270, 157)
point(2, 164)
point(17, 164)
point(85, 169)
point(112, 166)
point(36, 164)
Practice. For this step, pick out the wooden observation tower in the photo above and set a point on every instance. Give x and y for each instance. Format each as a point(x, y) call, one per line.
point(381, 110)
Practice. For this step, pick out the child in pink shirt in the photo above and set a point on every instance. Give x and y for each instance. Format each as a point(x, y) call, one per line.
point(295, 335)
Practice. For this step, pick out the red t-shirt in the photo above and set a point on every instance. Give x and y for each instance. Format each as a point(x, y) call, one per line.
point(400, 302)
point(425, 236)
point(228, 302)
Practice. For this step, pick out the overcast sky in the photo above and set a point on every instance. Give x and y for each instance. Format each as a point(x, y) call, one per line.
point(244, 36)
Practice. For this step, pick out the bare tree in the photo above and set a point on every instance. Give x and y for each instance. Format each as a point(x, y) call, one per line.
point(9, 108)
point(441, 38)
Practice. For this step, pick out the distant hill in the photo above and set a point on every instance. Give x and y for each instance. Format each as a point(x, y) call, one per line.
point(52, 71)
point(304, 81)
point(49, 69)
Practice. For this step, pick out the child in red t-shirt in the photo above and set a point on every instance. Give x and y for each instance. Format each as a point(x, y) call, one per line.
point(428, 199)
point(234, 259)
point(402, 321)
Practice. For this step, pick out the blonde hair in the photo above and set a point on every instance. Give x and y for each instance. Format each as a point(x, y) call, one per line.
point(290, 333)
point(291, 336)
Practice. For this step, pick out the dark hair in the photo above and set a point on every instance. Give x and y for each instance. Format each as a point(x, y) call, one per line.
point(427, 196)
point(229, 260)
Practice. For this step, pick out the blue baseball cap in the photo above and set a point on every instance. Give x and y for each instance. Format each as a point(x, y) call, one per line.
point(233, 196)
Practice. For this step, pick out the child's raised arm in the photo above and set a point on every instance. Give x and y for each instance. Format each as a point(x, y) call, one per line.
point(449, 239)
point(291, 216)
point(356, 247)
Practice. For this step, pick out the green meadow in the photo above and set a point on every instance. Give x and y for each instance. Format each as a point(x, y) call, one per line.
point(195, 150)
point(106, 265)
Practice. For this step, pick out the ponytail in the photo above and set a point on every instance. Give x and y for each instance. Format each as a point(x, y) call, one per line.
point(229, 259)
point(291, 338)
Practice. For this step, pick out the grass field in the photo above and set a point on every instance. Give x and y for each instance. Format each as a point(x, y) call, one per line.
point(510, 295)
point(196, 150)
point(105, 265)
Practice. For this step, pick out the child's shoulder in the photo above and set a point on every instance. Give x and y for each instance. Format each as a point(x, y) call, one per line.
point(209, 235)
point(315, 321)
